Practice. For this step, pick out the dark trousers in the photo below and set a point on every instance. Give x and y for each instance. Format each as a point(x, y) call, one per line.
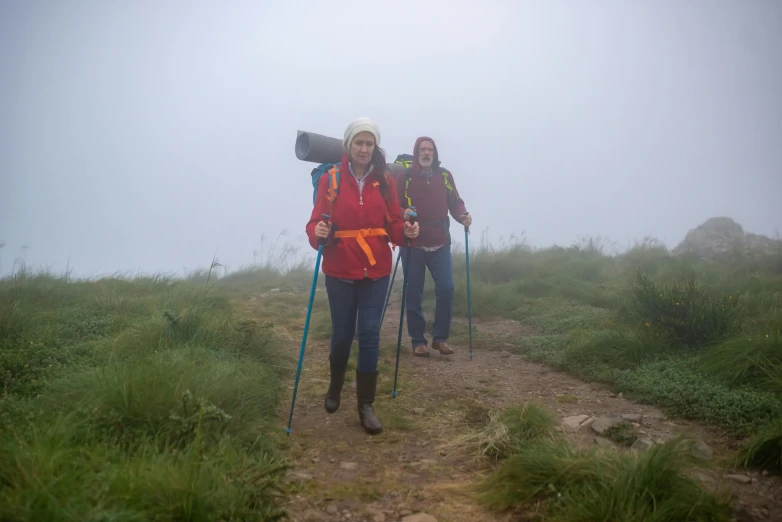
point(439, 264)
point(349, 301)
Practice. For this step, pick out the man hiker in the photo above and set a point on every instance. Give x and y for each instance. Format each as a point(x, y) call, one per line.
point(431, 190)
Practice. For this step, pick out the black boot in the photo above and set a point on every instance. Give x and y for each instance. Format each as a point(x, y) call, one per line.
point(335, 386)
point(366, 384)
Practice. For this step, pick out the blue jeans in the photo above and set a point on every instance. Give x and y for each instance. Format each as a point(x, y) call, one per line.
point(363, 298)
point(439, 265)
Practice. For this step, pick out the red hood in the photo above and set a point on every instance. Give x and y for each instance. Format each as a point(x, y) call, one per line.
point(436, 159)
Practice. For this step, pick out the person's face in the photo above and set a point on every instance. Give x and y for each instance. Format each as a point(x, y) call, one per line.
point(362, 148)
point(426, 154)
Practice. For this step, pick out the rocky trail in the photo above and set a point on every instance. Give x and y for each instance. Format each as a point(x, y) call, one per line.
point(412, 472)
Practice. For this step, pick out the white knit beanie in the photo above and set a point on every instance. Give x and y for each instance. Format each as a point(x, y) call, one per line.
point(360, 125)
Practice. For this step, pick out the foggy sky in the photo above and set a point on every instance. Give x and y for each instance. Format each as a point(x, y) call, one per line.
point(148, 136)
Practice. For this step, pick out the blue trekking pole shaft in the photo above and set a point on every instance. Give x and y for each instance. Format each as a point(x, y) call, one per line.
point(304, 335)
point(402, 309)
point(401, 320)
point(469, 303)
point(390, 287)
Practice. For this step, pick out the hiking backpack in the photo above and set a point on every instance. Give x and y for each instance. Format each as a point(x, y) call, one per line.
point(406, 160)
point(329, 169)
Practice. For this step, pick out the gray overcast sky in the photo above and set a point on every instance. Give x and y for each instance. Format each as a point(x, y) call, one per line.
point(147, 135)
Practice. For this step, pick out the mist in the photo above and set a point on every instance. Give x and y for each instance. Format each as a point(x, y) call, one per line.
point(152, 136)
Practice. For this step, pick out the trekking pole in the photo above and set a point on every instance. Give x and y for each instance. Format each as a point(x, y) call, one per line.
point(404, 296)
point(307, 324)
point(469, 304)
point(390, 287)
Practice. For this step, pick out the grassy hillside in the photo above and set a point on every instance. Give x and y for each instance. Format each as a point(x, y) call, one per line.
point(153, 398)
point(701, 339)
point(143, 399)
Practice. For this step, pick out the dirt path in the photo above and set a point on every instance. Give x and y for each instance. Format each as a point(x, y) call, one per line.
point(341, 473)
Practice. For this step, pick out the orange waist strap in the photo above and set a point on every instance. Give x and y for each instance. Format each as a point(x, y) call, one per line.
point(360, 234)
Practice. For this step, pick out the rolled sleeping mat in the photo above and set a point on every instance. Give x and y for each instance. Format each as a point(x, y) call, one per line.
point(319, 149)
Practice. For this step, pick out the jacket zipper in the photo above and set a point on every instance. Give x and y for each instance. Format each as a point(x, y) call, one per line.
point(361, 211)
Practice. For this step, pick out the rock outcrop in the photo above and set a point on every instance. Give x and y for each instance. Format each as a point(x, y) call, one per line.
point(721, 238)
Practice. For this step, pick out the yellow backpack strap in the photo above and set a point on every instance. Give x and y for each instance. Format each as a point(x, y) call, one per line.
point(445, 180)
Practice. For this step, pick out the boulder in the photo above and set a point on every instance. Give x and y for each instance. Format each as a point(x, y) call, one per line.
point(601, 425)
point(721, 238)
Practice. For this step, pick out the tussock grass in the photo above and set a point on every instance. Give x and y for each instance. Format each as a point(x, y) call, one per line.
point(161, 395)
point(541, 474)
point(136, 399)
point(562, 483)
point(508, 431)
point(45, 476)
point(748, 360)
point(764, 450)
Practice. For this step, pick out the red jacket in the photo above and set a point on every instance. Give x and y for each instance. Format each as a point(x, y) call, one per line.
point(343, 257)
point(433, 201)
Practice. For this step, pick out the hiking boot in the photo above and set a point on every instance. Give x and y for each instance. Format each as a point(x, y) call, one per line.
point(421, 351)
point(366, 384)
point(335, 386)
point(442, 347)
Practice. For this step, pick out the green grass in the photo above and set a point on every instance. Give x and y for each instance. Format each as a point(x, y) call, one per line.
point(619, 348)
point(748, 360)
point(155, 399)
point(679, 385)
point(136, 399)
point(764, 450)
point(682, 314)
point(507, 432)
point(567, 484)
point(700, 339)
point(539, 473)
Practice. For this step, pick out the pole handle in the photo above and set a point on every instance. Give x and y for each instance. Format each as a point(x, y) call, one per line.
point(327, 219)
point(466, 228)
point(411, 219)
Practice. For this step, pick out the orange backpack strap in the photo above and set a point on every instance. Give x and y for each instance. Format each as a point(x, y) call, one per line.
point(360, 236)
point(331, 192)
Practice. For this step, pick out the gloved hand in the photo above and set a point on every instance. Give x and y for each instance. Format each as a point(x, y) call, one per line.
point(466, 220)
point(322, 230)
point(411, 231)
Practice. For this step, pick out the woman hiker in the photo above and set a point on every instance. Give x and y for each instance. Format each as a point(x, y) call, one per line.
point(364, 215)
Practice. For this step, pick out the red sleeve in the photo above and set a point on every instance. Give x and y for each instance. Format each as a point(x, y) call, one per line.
point(455, 202)
point(321, 207)
point(396, 227)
